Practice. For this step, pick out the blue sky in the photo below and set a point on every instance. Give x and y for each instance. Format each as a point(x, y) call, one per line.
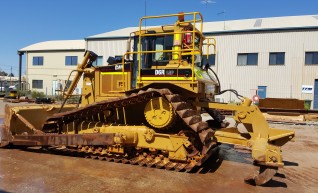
point(23, 23)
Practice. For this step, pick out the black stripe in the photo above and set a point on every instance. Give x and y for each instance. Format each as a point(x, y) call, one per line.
point(166, 72)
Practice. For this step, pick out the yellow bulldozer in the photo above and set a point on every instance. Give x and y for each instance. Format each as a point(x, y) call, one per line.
point(145, 108)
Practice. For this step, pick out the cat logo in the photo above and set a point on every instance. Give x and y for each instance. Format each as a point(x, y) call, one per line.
point(159, 72)
point(118, 67)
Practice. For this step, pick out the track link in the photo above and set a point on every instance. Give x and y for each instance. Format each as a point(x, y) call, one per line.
point(183, 109)
point(141, 158)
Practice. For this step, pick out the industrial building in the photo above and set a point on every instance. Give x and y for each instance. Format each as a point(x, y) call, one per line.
point(48, 64)
point(277, 57)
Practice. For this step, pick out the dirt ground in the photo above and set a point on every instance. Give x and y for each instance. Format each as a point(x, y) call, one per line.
point(27, 171)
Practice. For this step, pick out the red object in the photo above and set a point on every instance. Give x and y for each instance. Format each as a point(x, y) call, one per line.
point(255, 99)
point(188, 38)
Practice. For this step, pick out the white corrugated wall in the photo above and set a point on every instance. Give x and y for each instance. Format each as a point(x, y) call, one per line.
point(282, 81)
point(107, 47)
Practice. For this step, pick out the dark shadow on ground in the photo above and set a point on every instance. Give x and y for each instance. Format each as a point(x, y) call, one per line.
point(288, 163)
point(2, 191)
point(275, 184)
point(280, 175)
point(229, 153)
point(211, 164)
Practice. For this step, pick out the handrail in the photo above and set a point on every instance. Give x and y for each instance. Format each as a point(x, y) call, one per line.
point(146, 52)
point(168, 33)
point(171, 15)
point(88, 57)
point(194, 31)
point(65, 95)
point(197, 18)
point(208, 44)
point(193, 46)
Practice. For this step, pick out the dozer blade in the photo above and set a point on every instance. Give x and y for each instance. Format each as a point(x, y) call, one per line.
point(266, 173)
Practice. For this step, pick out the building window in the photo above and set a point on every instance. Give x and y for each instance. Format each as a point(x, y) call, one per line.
point(71, 60)
point(247, 59)
point(311, 58)
point(67, 85)
point(277, 58)
point(98, 61)
point(210, 61)
point(162, 43)
point(37, 84)
point(38, 61)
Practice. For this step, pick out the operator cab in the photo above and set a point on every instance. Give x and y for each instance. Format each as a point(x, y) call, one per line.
point(162, 50)
point(169, 56)
point(167, 53)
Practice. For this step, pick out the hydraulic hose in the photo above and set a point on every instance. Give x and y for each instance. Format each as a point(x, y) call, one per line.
point(240, 97)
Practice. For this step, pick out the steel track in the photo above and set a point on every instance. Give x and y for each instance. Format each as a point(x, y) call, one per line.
point(183, 109)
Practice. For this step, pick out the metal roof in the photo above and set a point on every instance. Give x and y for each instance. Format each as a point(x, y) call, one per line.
point(56, 45)
point(257, 24)
point(124, 33)
point(271, 23)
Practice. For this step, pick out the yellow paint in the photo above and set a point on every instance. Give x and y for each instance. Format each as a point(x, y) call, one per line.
point(113, 73)
point(159, 113)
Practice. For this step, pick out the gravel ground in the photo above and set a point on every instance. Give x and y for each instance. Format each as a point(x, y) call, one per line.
point(27, 171)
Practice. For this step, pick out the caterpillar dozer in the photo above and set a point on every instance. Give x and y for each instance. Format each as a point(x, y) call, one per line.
point(145, 107)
